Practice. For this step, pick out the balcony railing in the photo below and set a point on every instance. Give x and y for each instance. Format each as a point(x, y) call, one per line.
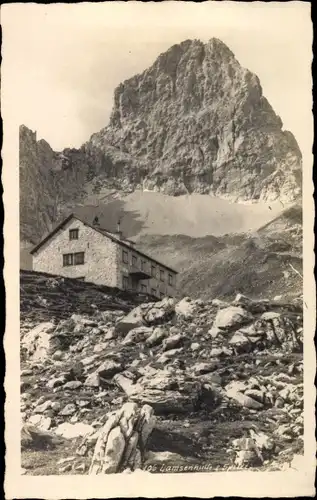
point(139, 273)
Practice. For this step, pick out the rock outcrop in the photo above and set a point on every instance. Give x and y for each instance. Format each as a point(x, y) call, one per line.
point(37, 342)
point(265, 263)
point(46, 186)
point(165, 391)
point(122, 440)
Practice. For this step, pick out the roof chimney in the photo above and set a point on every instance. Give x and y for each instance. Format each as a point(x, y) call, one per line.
point(119, 232)
point(96, 221)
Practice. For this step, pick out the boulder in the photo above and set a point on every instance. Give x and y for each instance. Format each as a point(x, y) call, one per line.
point(57, 355)
point(68, 410)
point(126, 382)
point(73, 385)
point(270, 315)
point(195, 346)
point(220, 352)
point(211, 378)
point(242, 300)
point(262, 440)
point(240, 343)
point(56, 382)
point(202, 368)
point(187, 308)
point(114, 448)
point(43, 407)
point(230, 317)
point(167, 356)
point(37, 342)
point(71, 431)
point(100, 347)
point(93, 380)
point(244, 443)
point(78, 319)
point(147, 371)
point(159, 312)
point(82, 403)
point(40, 401)
point(252, 333)
point(280, 331)
point(41, 422)
point(89, 359)
point(255, 394)
point(247, 450)
point(56, 406)
point(132, 320)
point(242, 399)
point(214, 332)
point(166, 402)
point(137, 335)
point(166, 391)
point(65, 468)
point(245, 458)
point(278, 298)
point(219, 303)
point(216, 352)
point(110, 334)
point(109, 368)
point(122, 440)
point(156, 337)
point(173, 341)
point(26, 373)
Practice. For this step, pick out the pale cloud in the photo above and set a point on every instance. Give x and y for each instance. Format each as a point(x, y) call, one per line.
point(64, 60)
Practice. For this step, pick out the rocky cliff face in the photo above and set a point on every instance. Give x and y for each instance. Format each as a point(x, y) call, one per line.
point(37, 207)
point(194, 122)
point(46, 185)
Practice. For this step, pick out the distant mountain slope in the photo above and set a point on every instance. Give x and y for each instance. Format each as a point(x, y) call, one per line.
point(196, 216)
point(265, 263)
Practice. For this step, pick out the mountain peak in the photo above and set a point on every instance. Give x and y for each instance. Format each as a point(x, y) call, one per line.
point(195, 121)
point(218, 46)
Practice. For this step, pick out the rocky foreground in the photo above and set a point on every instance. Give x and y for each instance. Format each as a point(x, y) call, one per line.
point(168, 386)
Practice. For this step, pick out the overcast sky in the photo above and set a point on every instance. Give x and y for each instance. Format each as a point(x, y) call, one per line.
point(64, 61)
